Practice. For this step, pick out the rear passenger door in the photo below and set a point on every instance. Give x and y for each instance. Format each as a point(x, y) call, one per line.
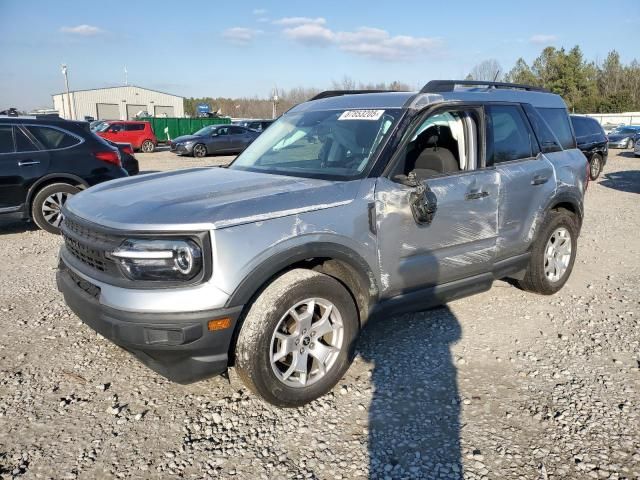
point(22, 163)
point(238, 139)
point(526, 176)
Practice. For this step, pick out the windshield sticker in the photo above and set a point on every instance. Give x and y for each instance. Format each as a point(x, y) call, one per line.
point(361, 115)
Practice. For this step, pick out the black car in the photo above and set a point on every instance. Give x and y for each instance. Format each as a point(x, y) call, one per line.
point(129, 161)
point(44, 161)
point(592, 141)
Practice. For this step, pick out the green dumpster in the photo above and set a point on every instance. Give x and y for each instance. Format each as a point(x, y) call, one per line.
point(167, 129)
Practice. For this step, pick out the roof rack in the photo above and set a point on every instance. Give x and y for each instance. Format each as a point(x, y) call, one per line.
point(338, 93)
point(439, 86)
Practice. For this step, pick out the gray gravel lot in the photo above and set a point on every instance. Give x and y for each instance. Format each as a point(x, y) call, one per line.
point(504, 384)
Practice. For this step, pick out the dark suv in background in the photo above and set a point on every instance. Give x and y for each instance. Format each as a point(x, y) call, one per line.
point(44, 161)
point(592, 141)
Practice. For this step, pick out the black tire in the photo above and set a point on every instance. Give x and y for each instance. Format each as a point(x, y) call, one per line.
point(595, 166)
point(147, 146)
point(254, 346)
point(45, 200)
point(200, 150)
point(535, 279)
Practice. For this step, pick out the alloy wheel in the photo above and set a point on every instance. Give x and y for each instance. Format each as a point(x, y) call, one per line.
point(52, 208)
point(595, 167)
point(199, 151)
point(557, 254)
point(306, 342)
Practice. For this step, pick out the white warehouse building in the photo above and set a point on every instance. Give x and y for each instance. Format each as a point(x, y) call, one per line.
point(117, 103)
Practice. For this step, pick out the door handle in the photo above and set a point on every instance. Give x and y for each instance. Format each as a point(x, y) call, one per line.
point(476, 194)
point(539, 180)
point(26, 163)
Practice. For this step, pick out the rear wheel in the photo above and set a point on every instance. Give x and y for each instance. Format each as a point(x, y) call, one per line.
point(297, 339)
point(553, 254)
point(595, 166)
point(147, 146)
point(199, 150)
point(47, 204)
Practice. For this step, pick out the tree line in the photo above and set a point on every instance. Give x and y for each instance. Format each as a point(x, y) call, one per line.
point(255, 107)
point(586, 86)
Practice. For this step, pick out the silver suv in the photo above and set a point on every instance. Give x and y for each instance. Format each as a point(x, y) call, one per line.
point(351, 205)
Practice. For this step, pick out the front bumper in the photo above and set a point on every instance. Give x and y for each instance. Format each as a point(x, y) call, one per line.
point(178, 346)
point(620, 144)
point(181, 148)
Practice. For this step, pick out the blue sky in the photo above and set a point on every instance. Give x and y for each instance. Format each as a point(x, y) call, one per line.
point(244, 48)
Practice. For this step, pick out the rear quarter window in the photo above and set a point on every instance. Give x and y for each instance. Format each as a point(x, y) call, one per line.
point(52, 138)
point(558, 121)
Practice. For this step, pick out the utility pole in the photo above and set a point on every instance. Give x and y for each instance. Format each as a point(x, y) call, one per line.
point(274, 100)
point(66, 84)
point(126, 79)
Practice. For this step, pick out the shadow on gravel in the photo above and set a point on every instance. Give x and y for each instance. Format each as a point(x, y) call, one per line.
point(625, 181)
point(10, 225)
point(628, 154)
point(414, 424)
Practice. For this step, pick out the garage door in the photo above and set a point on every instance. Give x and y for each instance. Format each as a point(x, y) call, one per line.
point(108, 111)
point(132, 110)
point(162, 111)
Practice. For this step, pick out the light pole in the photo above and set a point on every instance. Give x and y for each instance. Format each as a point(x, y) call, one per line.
point(274, 111)
point(66, 84)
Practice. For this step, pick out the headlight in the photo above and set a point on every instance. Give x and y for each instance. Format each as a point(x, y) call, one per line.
point(158, 260)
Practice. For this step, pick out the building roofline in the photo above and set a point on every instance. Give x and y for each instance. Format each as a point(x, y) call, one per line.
point(117, 86)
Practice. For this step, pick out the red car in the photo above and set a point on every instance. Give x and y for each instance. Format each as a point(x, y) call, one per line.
point(139, 134)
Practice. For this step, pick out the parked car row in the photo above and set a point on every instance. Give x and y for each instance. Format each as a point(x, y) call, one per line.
point(44, 161)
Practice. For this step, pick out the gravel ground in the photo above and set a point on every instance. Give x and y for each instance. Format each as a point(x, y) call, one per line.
point(500, 385)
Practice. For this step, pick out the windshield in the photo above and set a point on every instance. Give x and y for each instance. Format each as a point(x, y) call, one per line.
point(203, 132)
point(335, 144)
point(101, 127)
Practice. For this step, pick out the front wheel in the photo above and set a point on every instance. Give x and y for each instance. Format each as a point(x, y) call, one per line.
point(595, 166)
point(47, 205)
point(553, 254)
point(630, 143)
point(199, 151)
point(297, 339)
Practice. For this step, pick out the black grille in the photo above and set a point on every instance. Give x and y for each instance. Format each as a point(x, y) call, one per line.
point(88, 245)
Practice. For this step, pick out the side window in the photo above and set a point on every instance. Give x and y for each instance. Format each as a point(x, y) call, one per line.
point(115, 127)
point(23, 143)
point(581, 126)
point(558, 121)
point(508, 135)
point(52, 138)
point(548, 141)
point(135, 127)
point(596, 128)
point(443, 143)
point(6, 139)
point(236, 130)
point(223, 131)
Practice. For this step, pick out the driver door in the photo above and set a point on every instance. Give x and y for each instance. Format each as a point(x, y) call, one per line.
point(460, 240)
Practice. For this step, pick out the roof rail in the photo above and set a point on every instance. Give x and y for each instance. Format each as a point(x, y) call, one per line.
point(338, 93)
point(439, 86)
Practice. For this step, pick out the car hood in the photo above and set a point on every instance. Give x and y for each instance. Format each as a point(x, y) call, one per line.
point(616, 137)
point(205, 198)
point(186, 138)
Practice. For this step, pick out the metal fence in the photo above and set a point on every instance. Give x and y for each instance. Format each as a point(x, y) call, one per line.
point(615, 119)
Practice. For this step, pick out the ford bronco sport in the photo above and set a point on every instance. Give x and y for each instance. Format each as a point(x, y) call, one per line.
point(350, 205)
